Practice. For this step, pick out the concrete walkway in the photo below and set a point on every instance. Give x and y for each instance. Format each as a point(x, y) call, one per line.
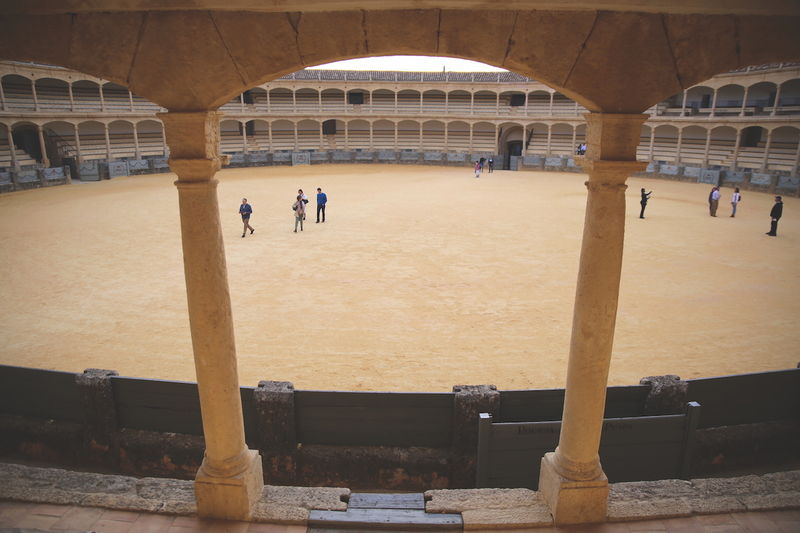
point(52, 499)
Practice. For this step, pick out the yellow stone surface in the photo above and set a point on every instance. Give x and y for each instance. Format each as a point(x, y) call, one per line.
point(423, 277)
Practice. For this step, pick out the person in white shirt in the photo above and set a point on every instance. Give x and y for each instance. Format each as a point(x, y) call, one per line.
point(735, 199)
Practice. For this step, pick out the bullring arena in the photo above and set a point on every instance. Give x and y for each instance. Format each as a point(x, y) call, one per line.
point(442, 337)
point(423, 277)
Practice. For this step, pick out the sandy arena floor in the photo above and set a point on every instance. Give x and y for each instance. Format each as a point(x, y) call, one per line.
point(422, 278)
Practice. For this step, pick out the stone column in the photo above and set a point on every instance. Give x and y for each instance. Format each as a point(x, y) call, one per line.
point(652, 141)
point(12, 149)
point(765, 161)
point(678, 147)
point(526, 103)
point(102, 98)
point(714, 103)
point(371, 126)
point(794, 171)
point(496, 138)
point(2, 96)
point(446, 139)
point(549, 136)
point(137, 151)
point(108, 142)
point(708, 147)
point(396, 147)
point(395, 102)
point(78, 143)
point(71, 97)
point(164, 139)
point(744, 101)
point(421, 147)
point(574, 138)
point(244, 137)
point(446, 102)
point(777, 100)
point(571, 479)
point(241, 102)
point(294, 101)
point(269, 105)
point(269, 135)
point(346, 136)
point(130, 100)
point(321, 137)
point(683, 104)
point(736, 149)
point(35, 97)
point(230, 478)
point(42, 147)
point(471, 103)
point(471, 128)
point(552, 95)
point(524, 137)
point(296, 141)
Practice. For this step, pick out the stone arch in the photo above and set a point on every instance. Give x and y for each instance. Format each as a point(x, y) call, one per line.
point(784, 148)
point(358, 134)
point(86, 95)
point(383, 133)
point(408, 135)
point(483, 137)
point(458, 136)
point(52, 94)
point(120, 135)
point(536, 141)
point(693, 144)
point(485, 102)
point(307, 100)
point(699, 97)
point(433, 135)
point(665, 143)
point(790, 96)
point(282, 134)
point(761, 95)
point(230, 136)
point(18, 92)
point(151, 138)
point(115, 97)
point(382, 100)
point(458, 101)
point(408, 101)
point(729, 99)
point(309, 134)
point(92, 140)
point(433, 101)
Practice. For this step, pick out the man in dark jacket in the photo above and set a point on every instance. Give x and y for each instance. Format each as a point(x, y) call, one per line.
point(775, 215)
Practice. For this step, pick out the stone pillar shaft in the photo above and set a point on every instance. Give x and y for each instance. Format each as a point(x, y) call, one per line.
point(230, 478)
point(42, 147)
point(572, 480)
point(12, 149)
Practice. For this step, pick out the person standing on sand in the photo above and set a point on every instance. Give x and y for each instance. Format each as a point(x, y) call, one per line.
point(491, 165)
point(735, 199)
point(246, 210)
point(713, 201)
point(322, 200)
point(304, 197)
point(775, 214)
point(299, 208)
point(477, 169)
point(645, 197)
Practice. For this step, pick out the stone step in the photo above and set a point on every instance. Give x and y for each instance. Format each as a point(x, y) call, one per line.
point(384, 519)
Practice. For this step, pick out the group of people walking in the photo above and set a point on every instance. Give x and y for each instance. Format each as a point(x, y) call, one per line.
point(713, 204)
point(298, 208)
point(479, 164)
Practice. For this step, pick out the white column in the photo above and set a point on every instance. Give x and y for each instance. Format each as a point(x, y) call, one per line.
point(269, 104)
point(683, 104)
point(549, 136)
point(652, 141)
point(269, 135)
point(2, 96)
point(35, 96)
point(130, 99)
point(78, 154)
point(572, 481)
point(471, 126)
point(744, 101)
point(12, 149)
point(241, 102)
point(371, 124)
point(230, 479)
point(295, 135)
point(321, 137)
point(396, 145)
point(137, 151)
point(244, 137)
point(497, 107)
point(496, 139)
point(708, 146)
point(576, 109)
point(678, 147)
point(765, 161)
point(526, 103)
point(346, 135)
point(164, 139)
point(796, 160)
point(102, 98)
point(319, 101)
point(421, 148)
point(446, 102)
point(71, 97)
point(421, 98)
point(471, 103)
point(714, 103)
point(395, 103)
point(346, 110)
point(552, 96)
point(42, 147)
point(574, 144)
point(777, 100)
point(294, 101)
point(524, 138)
point(108, 142)
point(736, 149)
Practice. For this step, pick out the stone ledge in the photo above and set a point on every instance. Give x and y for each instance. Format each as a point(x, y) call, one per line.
point(285, 505)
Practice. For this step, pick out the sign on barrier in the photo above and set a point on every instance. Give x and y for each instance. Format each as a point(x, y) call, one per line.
point(732, 176)
point(55, 173)
point(709, 176)
point(301, 158)
point(432, 156)
point(387, 156)
point(160, 162)
point(364, 156)
point(532, 160)
point(788, 182)
point(552, 161)
point(137, 165)
point(456, 156)
point(669, 170)
point(117, 169)
point(282, 157)
point(692, 172)
point(89, 171)
point(342, 156)
point(409, 156)
point(760, 179)
point(651, 167)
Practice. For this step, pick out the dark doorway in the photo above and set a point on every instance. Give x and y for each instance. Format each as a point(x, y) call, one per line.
point(513, 151)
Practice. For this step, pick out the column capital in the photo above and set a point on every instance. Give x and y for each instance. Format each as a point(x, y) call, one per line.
point(613, 136)
point(192, 135)
point(194, 170)
point(610, 172)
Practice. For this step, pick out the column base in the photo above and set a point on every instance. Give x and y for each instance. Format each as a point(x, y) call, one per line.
point(573, 502)
point(230, 498)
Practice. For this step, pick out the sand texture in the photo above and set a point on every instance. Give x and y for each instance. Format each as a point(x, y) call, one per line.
point(422, 278)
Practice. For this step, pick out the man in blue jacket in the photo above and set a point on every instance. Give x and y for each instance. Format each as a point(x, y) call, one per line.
point(322, 199)
point(245, 210)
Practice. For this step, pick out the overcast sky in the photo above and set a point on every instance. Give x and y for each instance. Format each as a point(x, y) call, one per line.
point(411, 64)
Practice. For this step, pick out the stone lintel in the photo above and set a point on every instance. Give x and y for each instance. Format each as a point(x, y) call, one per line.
point(194, 170)
point(607, 171)
point(571, 501)
point(230, 497)
point(613, 136)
